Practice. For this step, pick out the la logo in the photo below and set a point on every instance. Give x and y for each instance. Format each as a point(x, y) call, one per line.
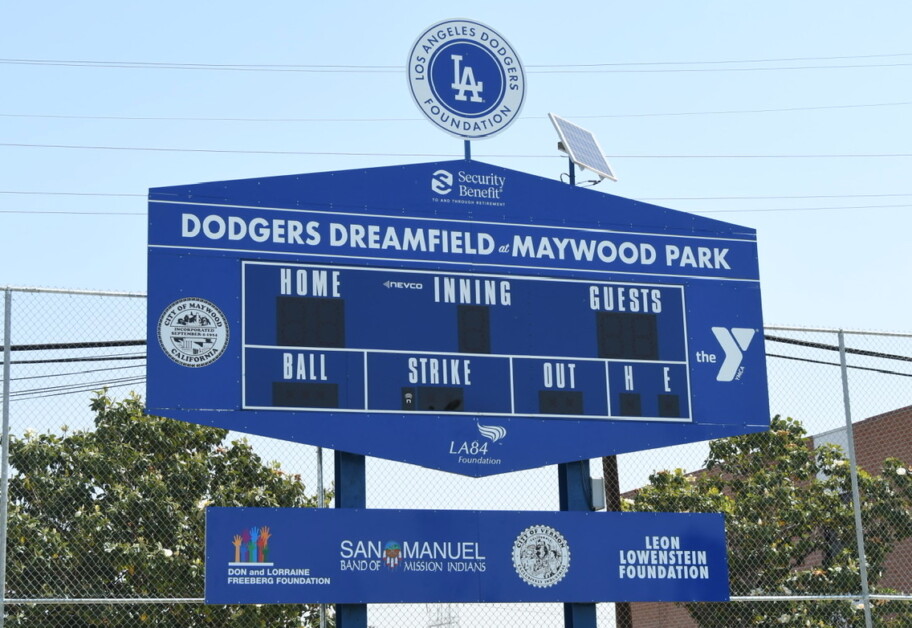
point(465, 80)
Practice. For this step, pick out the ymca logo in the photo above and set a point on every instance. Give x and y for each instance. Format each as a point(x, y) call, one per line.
point(442, 182)
point(734, 343)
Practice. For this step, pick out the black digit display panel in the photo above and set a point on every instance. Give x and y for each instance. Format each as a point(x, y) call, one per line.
point(310, 322)
point(305, 394)
point(474, 329)
point(627, 336)
point(560, 401)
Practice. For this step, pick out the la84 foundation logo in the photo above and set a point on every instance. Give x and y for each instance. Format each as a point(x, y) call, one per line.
point(466, 78)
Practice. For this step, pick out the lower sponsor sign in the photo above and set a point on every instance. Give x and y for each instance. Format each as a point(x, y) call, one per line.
point(354, 556)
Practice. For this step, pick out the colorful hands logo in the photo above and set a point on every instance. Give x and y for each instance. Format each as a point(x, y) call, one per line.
point(251, 547)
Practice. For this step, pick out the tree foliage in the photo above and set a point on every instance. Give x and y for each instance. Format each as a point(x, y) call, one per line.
point(119, 512)
point(790, 526)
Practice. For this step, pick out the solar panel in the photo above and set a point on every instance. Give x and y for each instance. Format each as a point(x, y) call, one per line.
point(582, 147)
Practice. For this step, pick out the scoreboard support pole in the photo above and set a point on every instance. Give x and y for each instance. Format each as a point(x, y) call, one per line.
point(576, 494)
point(351, 492)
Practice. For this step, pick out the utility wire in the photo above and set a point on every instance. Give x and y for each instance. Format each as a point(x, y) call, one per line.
point(631, 67)
point(91, 387)
point(793, 209)
point(825, 363)
point(68, 387)
point(754, 198)
point(416, 119)
point(692, 211)
point(78, 345)
point(39, 212)
point(830, 347)
point(83, 372)
point(108, 358)
point(452, 155)
point(642, 198)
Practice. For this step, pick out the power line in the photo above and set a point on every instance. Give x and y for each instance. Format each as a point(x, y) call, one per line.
point(416, 119)
point(70, 193)
point(830, 347)
point(849, 366)
point(73, 387)
point(78, 345)
point(695, 70)
point(628, 67)
point(69, 389)
point(692, 211)
point(70, 213)
point(452, 155)
point(762, 60)
point(79, 388)
point(754, 198)
point(82, 372)
point(794, 209)
point(642, 198)
point(106, 358)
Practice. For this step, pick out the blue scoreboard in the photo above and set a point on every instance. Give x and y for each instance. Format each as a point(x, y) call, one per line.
point(455, 315)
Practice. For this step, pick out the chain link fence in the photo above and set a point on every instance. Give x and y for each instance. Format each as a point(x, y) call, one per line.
point(105, 511)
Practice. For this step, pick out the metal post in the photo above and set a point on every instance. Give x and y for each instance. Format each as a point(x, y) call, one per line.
point(572, 172)
point(321, 503)
point(4, 457)
point(351, 492)
point(623, 614)
point(576, 494)
point(467, 145)
point(856, 498)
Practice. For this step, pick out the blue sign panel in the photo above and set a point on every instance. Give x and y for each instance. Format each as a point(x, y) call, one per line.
point(350, 556)
point(455, 315)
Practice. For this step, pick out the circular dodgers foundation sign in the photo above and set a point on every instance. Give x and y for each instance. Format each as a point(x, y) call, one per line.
point(466, 78)
point(193, 332)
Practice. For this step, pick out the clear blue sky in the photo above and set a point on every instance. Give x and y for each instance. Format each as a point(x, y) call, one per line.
point(803, 107)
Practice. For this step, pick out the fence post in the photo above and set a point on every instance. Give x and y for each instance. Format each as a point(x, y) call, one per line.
point(4, 457)
point(856, 497)
point(321, 503)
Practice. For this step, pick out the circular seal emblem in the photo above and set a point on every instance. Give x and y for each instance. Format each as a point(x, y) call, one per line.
point(541, 556)
point(466, 78)
point(193, 332)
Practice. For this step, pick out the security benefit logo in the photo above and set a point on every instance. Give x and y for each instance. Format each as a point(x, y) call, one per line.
point(468, 188)
point(193, 332)
point(541, 556)
point(466, 78)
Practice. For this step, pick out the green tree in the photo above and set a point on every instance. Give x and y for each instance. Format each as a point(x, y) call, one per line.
point(790, 526)
point(119, 512)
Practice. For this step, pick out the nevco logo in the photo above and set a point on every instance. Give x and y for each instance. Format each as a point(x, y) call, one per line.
point(734, 343)
point(403, 285)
